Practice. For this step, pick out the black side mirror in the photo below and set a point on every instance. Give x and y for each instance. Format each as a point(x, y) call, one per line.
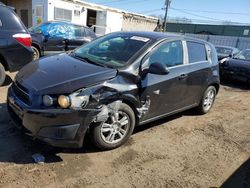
point(230, 55)
point(158, 68)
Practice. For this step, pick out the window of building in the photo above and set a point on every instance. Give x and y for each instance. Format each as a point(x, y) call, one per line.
point(196, 52)
point(63, 14)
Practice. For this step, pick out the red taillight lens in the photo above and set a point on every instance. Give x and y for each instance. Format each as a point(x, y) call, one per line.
point(24, 39)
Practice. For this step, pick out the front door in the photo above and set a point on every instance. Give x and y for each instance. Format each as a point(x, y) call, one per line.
point(56, 37)
point(165, 92)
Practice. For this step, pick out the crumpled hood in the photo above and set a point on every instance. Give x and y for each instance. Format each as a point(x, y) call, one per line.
point(61, 74)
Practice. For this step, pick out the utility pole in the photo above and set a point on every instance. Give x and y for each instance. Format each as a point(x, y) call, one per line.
point(167, 3)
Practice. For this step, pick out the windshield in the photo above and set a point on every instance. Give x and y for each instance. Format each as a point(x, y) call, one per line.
point(113, 51)
point(222, 50)
point(243, 55)
point(41, 28)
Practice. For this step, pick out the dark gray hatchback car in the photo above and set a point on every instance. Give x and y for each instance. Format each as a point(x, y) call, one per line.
point(112, 84)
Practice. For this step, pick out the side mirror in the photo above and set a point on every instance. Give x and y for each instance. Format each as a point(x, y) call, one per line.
point(230, 55)
point(158, 68)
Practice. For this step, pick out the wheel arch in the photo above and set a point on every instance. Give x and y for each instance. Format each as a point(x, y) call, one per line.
point(216, 85)
point(37, 46)
point(4, 63)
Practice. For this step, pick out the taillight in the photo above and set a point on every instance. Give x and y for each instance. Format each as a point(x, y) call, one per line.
point(23, 38)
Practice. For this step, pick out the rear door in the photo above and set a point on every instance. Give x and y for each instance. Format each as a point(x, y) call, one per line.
point(166, 92)
point(199, 70)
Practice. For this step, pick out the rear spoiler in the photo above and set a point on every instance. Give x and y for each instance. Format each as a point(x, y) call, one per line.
point(13, 8)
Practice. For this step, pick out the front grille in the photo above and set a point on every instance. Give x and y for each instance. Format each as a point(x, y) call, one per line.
point(21, 93)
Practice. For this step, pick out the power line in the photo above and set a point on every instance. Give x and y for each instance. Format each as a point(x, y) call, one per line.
point(151, 10)
point(117, 1)
point(197, 15)
point(215, 12)
point(122, 2)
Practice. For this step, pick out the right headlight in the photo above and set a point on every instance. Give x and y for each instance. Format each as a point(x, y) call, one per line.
point(64, 101)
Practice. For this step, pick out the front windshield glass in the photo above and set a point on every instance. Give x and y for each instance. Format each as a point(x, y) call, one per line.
point(113, 51)
point(222, 50)
point(243, 55)
point(41, 28)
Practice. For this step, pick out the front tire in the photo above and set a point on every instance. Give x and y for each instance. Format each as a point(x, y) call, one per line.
point(2, 74)
point(116, 130)
point(207, 100)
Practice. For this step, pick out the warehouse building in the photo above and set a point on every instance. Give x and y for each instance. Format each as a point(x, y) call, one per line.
point(104, 19)
point(208, 29)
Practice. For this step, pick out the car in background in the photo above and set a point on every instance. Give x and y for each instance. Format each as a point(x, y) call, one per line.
point(237, 68)
point(112, 84)
point(55, 37)
point(15, 42)
point(226, 51)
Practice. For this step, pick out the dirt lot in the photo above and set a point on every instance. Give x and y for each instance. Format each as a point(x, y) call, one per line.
point(184, 150)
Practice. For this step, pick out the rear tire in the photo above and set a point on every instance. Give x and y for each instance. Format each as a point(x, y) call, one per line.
point(36, 53)
point(207, 100)
point(115, 131)
point(2, 74)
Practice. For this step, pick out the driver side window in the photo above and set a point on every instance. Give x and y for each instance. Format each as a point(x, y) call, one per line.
point(168, 53)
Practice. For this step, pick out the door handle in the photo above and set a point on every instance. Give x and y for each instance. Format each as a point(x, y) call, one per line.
point(183, 76)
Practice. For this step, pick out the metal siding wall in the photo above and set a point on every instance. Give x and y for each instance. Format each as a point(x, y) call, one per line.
point(223, 40)
point(244, 43)
point(238, 42)
point(203, 37)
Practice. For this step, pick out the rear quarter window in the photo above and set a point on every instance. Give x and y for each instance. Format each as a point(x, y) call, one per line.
point(196, 52)
point(9, 20)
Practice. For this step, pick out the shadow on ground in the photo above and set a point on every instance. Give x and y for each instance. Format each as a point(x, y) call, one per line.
point(233, 84)
point(240, 178)
point(18, 148)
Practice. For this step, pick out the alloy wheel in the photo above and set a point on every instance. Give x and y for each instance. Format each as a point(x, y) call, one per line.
point(115, 128)
point(208, 100)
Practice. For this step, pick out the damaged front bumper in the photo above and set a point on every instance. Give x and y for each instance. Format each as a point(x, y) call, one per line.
point(58, 127)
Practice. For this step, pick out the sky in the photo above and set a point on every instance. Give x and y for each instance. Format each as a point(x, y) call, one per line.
point(207, 10)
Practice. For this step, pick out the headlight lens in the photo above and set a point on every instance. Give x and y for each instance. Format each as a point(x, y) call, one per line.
point(47, 100)
point(64, 101)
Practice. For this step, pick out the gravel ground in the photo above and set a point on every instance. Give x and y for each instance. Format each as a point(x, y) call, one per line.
point(184, 150)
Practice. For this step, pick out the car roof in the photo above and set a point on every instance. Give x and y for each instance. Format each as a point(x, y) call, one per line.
point(159, 35)
point(3, 5)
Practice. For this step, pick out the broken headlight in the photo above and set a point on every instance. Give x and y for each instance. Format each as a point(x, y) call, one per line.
point(79, 100)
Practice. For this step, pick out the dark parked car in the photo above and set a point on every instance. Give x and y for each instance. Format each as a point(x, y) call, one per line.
point(55, 36)
point(15, 42)
point(237, 68)
point(226, 51)
point(112, 84)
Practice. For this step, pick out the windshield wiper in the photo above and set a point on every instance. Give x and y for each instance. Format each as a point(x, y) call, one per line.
point(86, 59)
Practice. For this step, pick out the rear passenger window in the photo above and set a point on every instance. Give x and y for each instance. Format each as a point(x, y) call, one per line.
point(196, 52)
point(9, 20)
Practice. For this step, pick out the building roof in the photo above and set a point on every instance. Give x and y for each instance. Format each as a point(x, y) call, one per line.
point(102, 7)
